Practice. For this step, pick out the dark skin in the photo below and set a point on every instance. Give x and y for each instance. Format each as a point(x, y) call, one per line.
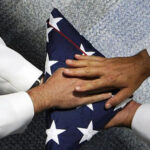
point(126, 74)
point(58, 91)
point(123, 73)
point(125, 116)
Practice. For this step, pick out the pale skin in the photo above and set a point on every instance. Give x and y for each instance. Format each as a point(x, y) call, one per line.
point(58, 91)
point(123, 73)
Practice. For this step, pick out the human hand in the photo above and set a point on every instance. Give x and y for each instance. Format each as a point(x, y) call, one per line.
point(125, 74)
point(58, 91)
point(125, 116)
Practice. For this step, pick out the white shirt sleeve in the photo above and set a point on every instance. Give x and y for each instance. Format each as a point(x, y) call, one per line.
point(2, 42)
point(141, 122)
point(16, 73)
point(16, 112)
point(148, 50)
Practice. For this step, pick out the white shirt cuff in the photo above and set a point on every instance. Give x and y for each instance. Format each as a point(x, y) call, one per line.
point(16, 112)
point(141, 122)
point(2, 42)
point(148, 50)
point(17, 70)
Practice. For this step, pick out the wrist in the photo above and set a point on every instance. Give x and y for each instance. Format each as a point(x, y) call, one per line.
point(130, 111)
point(38, 82)
point(144, 63)
point(39, 98)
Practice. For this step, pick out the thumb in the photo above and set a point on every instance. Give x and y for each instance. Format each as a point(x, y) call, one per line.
point(113, 122)
point(118, 98)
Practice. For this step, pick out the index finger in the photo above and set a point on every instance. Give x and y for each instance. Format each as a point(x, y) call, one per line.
point(83, 57)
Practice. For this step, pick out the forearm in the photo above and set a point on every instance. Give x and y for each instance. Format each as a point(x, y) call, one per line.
point(144, 62)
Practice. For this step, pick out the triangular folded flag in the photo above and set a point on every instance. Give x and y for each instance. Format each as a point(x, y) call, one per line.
point(69, 129)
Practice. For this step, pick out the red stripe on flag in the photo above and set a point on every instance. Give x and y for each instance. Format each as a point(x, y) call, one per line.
point(67, 38)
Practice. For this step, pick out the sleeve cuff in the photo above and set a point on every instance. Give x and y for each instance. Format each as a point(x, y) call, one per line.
point(141, 121)
point(17, 71)
point(148, 50)
point(2, 42)
point(27, 76)
point(16, 112)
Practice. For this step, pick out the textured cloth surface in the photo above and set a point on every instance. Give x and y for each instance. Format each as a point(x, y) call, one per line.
point(116, 27)
point(69, 129)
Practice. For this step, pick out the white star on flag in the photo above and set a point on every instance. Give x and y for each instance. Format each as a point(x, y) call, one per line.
point(90, 106)
point(53, 21)
point(88, 132)
point(48, 65)
point(122, 104)
point(88, 53)
point(47, 33)
point(52, 133)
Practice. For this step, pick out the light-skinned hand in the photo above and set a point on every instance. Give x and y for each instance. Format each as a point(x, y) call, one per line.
point(59, 91)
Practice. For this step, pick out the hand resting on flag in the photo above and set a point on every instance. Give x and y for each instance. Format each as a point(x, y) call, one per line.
point(59, 91)
point(125, 116)
point(69, 129)
point(126, 74)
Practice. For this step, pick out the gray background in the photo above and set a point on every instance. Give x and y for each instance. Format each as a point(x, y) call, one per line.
point(115, 27)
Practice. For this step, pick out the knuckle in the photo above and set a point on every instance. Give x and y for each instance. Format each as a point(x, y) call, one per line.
point(94, 85)
point(74, 62)
point(88, 63)
point(75, 72)
point(79, 63)
point(87, 70)
point(79, 82)
point(61, 69)
point(83, 88)
point(88, 86)
point(112, 78)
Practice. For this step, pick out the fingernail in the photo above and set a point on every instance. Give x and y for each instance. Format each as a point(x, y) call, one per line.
point(110, 94)
point(77, 88)
point(77, 55)
point(67, 71)
point(108, 106)
point(69, 61)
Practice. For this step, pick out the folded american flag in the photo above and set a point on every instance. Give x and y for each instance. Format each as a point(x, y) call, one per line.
point(69, 129)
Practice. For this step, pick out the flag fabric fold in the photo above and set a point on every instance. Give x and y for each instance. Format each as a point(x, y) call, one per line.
point(69, 129)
